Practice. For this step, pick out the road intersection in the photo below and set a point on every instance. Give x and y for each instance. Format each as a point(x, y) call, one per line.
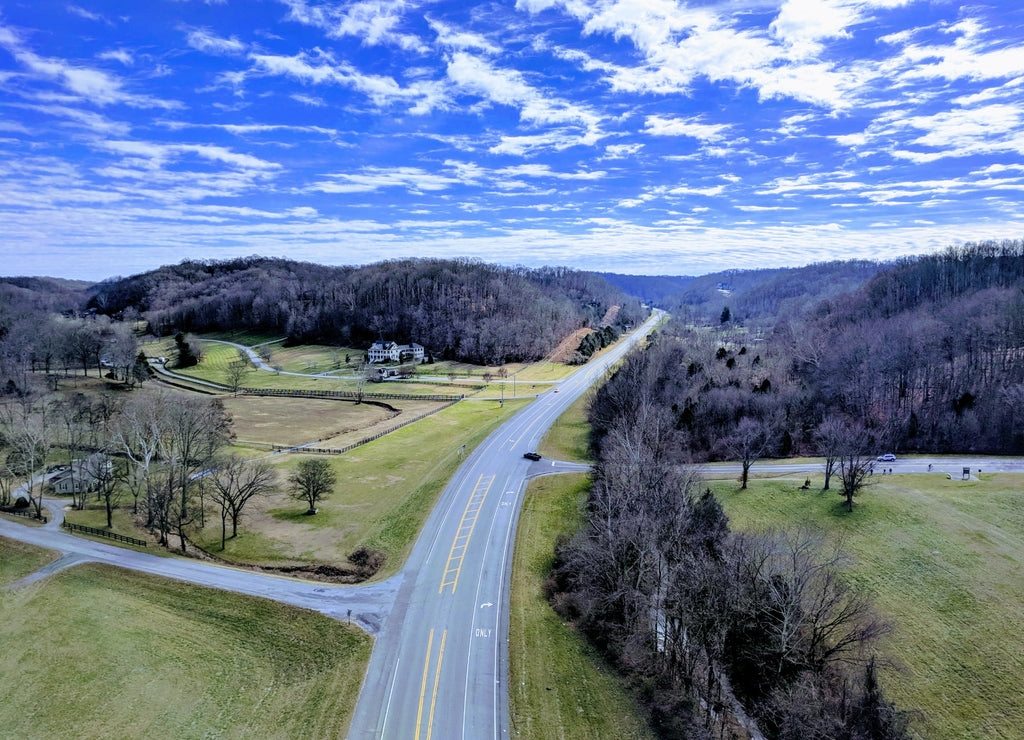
point(439, 665)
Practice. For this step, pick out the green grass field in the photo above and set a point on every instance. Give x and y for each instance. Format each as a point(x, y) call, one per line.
point(944, 561)
point(96, 651)
point(384, 494)
point(17, 560)
point(559, 686)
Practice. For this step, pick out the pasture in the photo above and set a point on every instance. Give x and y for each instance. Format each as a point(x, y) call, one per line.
point(96, 651)
point(943, 561)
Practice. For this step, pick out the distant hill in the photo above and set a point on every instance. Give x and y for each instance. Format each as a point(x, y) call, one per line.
point(750, 295)
point(656, 290)
point(458, 309)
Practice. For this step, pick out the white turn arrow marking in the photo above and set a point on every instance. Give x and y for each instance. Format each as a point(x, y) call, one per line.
point(486, 604)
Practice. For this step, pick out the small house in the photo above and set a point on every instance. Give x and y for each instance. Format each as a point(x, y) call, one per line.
point(83, 475)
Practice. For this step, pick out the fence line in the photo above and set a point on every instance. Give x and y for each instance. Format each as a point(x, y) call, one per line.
point(104, 533)
point(353, 395)
point(22, 512)
point(365, 440)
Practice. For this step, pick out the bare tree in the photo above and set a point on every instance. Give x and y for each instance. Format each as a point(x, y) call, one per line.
point(238, 370)
point(72, 422)
point(29, 447)
point(137, 434)
point(855, 461)
point(751, 441)
point(830, 435)
point(233, 484)
point(312, 481)
point(99, 470)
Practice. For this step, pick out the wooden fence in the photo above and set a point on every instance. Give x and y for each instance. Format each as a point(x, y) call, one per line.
point(365, 440)
point(104, 533)
point(350, 395)
point(27, 513)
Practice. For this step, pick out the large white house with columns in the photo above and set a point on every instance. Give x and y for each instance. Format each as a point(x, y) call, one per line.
point(391, 352)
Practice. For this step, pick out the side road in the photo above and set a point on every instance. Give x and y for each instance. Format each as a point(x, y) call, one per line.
point(366, 605)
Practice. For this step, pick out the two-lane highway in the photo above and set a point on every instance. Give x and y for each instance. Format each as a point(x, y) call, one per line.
point(439, 667)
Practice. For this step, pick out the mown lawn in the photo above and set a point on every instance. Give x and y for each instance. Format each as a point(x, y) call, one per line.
point(944, 561)
point(17, 560)
point(95, 651)
point(559, 686)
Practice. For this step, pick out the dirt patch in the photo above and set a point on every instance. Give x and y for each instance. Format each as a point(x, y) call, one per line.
point(364, 564)
point(565, 350)
point(609, 316)
point(293, 421)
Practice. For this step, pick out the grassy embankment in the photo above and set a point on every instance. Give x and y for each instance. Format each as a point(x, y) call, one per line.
point(944, 561)
point(559, 686)
point(17, 560)
point(95, 651)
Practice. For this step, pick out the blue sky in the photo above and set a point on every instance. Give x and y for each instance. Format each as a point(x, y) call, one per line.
point(640, 136)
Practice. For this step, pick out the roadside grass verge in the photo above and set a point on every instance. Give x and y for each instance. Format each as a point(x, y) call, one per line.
point(18, 559)
point(96, 651)
point(943, 560)
point(559, 685)
point(569, 437)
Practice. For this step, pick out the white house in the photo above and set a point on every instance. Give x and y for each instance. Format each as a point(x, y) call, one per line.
point(392, 352)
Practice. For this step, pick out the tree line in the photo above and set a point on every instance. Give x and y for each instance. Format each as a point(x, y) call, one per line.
point(721, 634)
point(944, 373)
point(460, 309)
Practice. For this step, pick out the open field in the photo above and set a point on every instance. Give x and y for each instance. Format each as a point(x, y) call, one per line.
point(385, 491)
point(559, 686)
point(293, 421)
point(944, 561)
point(96, 651)
point(17, 560)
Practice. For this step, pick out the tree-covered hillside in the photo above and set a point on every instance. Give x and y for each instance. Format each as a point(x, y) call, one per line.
point(458, 309)
point(927, 355)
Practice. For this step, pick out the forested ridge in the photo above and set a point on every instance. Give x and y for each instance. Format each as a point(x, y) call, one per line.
point(458, 309)
point(928, 354)
point(723, 633)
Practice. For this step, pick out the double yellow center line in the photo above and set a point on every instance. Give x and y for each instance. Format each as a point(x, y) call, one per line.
point(424, 683)
point(461, 542)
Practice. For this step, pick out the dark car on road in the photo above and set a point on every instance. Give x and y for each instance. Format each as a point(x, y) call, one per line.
point(531, 456)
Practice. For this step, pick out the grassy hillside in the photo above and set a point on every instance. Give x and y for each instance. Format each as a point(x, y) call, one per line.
point(100, 652)
point(944, 561)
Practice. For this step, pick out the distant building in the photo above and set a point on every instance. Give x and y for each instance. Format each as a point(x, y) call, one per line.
point(392, 352)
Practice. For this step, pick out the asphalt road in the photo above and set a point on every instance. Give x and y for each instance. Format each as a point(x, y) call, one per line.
point(439, 668)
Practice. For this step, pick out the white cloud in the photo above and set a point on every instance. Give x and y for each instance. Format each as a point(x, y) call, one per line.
point(452, 38)
point(206, 41)
point(477, 76)
point(92, 85)
point(621, 151)
point(119, 55)
point(692, 127)
point(321, 68)
point(375, 22)
point(371, 179)
point(83, 13)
